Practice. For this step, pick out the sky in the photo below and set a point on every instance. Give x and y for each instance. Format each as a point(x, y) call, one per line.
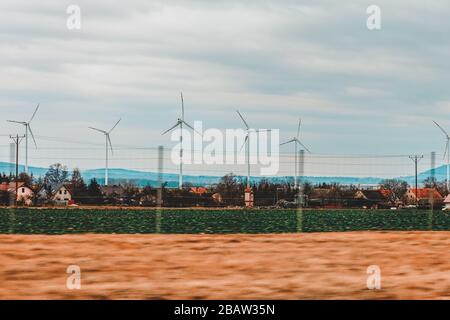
point(358, 91)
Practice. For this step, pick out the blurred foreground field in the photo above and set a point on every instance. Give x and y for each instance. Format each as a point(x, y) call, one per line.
point(414, 265)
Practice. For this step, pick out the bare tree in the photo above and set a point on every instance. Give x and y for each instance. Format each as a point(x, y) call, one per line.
point(440, 186)
point(231, 189)
point(56, 175)
point(396, 187)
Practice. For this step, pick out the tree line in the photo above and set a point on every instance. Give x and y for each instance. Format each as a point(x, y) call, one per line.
point(229, 191)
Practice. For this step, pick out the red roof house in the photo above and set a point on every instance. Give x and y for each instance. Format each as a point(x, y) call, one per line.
point(423, 195)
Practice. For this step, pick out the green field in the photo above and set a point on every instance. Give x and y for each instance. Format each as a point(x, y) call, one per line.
point(60, 221)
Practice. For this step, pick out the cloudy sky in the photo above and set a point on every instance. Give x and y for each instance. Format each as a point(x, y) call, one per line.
point(357, 91)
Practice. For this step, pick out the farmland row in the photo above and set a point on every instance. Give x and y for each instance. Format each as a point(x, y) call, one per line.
point(50, 221)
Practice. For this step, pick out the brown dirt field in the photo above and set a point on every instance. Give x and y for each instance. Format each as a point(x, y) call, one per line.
point(414, 265)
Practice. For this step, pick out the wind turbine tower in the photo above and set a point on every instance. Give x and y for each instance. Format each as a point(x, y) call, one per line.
point(179, 124)
point(296, 141)
point(247, 142)
point(108, 147)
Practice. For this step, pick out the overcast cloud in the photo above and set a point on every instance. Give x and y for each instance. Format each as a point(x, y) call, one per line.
point(358, 91)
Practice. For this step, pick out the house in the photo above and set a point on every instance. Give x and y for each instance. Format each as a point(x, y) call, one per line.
point(425, 196)
point(24, 195)
point(447, 202)
point(113, 191)
point(62, 195)
point(322, 197)
point(198, 190)
point(115, 194)
point(347, 198)
point(43, 195)
point(331, 197)
point(4, 187)
point(374, 198)
point(217, 198)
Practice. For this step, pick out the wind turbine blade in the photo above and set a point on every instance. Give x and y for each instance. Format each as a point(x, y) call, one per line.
point(19, 122)
point(34, 114)
point(245, 141)
point(182, 107)
point(189, 126)
point(102, 131)
point(290, 141)
point(176, 125)
point(442, 129)
point(115, 126)
point(263, 130)
point(110, 143)
point(32, 135)
point(298, 141)
point(245, 122)
point(299, 125)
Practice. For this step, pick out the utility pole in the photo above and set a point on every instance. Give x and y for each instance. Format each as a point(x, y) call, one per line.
point(17, 139)
point(416, 158)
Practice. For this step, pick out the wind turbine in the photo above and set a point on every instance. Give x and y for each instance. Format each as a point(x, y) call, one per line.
point(180, 123)
point(247, 141)
point(297, 143)
point(27, 130)
point(108, 146)
point(447, 152)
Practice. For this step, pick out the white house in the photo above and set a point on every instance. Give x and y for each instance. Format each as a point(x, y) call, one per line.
point(447, 202)
point(24, 192)
point(62, 195)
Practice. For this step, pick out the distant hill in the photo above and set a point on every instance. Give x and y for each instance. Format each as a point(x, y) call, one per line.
point(440, 173)
point(6, 167)
point(142, 178)
point(117, 175)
